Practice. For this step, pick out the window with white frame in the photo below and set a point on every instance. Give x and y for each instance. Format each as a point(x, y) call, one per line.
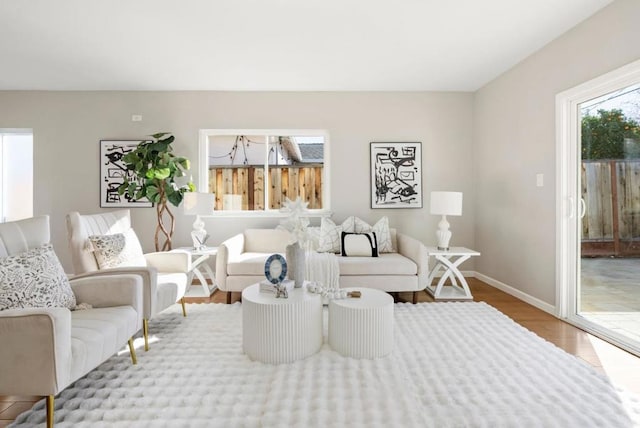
point(257, 170)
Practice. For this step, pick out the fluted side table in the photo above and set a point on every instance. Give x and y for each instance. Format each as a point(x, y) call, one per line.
point(362, 327)
point(279, 331)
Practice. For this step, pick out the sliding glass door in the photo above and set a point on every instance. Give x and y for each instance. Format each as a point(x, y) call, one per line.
point(609, 283)
point(598, 205)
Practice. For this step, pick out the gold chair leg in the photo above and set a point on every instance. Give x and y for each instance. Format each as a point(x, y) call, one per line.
point(50, 406)
point(132, 351)
point(184, 308)
point(145, 333)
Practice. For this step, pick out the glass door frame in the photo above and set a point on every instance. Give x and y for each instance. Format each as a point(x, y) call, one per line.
point(568, 206)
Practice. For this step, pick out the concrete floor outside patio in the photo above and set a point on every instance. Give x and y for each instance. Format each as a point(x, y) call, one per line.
point(610, 294)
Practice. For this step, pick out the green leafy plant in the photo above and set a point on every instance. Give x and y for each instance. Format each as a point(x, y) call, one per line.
point(604, 135)
point(157, 173)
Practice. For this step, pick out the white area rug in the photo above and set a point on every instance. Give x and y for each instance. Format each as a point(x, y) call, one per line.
point(454, 365)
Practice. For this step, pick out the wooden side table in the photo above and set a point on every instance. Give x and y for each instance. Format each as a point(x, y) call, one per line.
point(199, 263)
point(448, 261)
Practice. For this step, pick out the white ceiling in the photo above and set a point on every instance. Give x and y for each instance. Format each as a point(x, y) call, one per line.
point(290, 45)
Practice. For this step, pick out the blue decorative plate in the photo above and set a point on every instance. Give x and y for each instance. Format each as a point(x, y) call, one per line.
point(275, 268)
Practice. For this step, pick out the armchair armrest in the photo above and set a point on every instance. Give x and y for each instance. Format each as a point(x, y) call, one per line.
point(170, 261)
point(149, 276)
point(228, 250)
point(36, 351)
point(109, 290)
point(416, 251)
point(112, 290)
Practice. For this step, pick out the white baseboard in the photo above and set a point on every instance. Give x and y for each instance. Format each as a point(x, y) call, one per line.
point(533, 301)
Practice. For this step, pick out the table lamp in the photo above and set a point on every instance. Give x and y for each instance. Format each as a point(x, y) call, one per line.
point(197, 203)
point(444, 204)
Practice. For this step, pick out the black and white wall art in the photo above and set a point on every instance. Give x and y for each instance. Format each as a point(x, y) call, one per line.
point(396, 175)
point(113, 172)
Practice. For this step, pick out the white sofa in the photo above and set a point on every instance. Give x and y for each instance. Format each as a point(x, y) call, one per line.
point(45, 349)
point(241, 258)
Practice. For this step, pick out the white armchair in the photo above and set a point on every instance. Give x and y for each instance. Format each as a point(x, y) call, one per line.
point(45, 349)
point(165, 273)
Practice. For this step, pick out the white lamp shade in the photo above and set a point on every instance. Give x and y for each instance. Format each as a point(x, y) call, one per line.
point(446, 203)
point(197, 203)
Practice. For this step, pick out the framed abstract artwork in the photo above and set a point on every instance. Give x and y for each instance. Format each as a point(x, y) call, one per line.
point(112, 174)
point(396, 175)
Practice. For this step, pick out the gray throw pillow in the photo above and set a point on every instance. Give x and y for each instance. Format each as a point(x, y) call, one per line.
point(34, 279)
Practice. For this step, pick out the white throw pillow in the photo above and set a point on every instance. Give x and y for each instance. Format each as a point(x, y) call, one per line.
point(381, 228)
point(314, 237)
point(34, 279)
point(117, 250)
point(330, 234)
point(359, 244)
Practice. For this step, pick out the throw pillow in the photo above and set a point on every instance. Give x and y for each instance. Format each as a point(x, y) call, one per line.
point(359, 244)
point(34, 279)
point(329, 241)
point(314, 237)
point(381, 228)
point(117, 250)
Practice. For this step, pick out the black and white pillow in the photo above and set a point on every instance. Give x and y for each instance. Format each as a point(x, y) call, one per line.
point(117, 250)
point(359, 244)
point(34, 279)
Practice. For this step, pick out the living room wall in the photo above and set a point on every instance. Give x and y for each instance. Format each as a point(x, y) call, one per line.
point(514, 139)
point(67, 128)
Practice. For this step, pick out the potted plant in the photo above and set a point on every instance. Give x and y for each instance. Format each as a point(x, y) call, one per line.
point(155, 171)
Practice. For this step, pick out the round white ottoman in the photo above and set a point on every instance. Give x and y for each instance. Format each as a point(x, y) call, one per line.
point(279, 331)
point(362, 327)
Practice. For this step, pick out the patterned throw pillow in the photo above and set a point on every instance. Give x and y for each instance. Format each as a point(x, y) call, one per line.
point(330, 234)
point(381, 228)
point(117, 250)
point(359, 244)
point(34, 279)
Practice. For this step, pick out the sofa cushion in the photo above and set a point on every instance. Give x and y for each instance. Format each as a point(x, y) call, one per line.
point(34, 279)
point(117, 250)
point(96, 334)
point(248, 264)
point(384, 264)
point(170, 286)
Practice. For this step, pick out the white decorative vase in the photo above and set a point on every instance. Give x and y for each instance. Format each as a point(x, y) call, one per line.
point(296, 264)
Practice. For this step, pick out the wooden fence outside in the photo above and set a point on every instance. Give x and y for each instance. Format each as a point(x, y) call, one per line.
point(288, 181)
point(611, 195)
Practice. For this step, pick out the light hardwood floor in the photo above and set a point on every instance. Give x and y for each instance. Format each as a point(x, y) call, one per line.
point(621, 367)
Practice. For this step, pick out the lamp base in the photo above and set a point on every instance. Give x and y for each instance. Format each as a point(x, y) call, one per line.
point(199, 235)
point(443, 234)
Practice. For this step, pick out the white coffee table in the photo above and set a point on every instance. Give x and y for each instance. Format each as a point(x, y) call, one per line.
point(281, 330)
point(362, 327)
